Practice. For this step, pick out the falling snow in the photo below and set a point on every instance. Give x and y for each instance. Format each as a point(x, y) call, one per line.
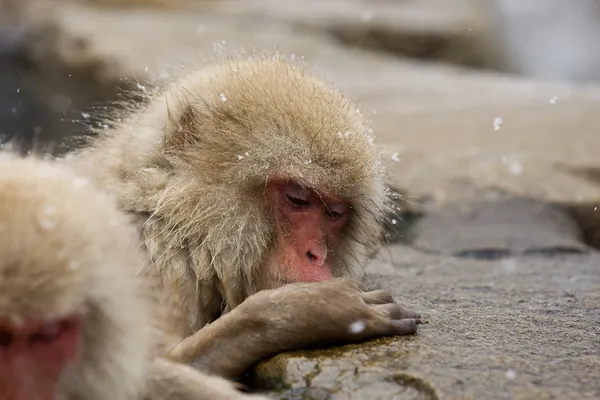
point(497, 122)
point(85, 115)
point(513, 165)
point(80, 182)
point(395, 157)
point(223, 98)
point(217, 46)
point(240, 157)
point(553, 100)
point(511, 375)
point(394, 221)
point(509, 265)
point(366, 16)
point(47, 218)
point(357, 327)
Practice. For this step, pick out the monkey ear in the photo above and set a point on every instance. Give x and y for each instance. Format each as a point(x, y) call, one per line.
point(181, 127)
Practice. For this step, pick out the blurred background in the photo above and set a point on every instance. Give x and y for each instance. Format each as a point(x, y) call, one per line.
point(61, 61)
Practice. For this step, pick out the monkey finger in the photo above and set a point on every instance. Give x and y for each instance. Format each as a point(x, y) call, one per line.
point(408, 313)
point(378, 297)
point(394, 311)
point(406, 326)
point(392, 327)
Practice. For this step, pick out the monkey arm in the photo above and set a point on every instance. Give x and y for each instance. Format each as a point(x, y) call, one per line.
point(291, 317)
point(228, 346)
point(169, 380)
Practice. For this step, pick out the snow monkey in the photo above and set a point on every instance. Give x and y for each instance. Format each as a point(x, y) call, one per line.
point(75, 315)
point(258, 192)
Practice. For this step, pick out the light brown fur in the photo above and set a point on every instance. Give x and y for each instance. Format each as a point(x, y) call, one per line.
point(192, 164)
point(65, 248)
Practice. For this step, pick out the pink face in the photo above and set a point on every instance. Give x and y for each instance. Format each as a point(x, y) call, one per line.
point(308, 227)
point(33, 355)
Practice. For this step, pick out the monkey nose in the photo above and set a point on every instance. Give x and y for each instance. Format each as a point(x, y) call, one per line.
point(317, 255)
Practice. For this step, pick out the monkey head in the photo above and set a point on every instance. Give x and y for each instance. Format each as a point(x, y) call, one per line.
point(71, 322)
point(264, 174)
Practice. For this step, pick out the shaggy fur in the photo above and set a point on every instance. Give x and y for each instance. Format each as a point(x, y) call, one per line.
point(193, 163)
point(65, 248)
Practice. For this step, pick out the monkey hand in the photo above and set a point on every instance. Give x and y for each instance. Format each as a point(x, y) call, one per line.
point(292, 317)
point(334, 311)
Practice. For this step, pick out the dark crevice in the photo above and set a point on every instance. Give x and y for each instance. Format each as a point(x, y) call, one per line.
point(554, 251)
point(484, 254)
point(587, 217)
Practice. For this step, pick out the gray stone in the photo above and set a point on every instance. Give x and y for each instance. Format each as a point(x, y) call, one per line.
point(520, 328)
point(498, 227)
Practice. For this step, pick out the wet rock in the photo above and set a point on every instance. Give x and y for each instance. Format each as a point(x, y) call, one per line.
point(372, 370)
point(520, 328)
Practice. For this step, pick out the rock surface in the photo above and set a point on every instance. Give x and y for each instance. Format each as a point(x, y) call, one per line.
point(516, 328)
point(505, 169)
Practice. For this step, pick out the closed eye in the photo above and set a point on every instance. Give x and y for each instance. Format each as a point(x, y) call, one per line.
point(336, 211)
point(297, 202)
point(332, 214)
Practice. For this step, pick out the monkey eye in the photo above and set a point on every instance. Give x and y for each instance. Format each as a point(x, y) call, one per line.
point(297, 202)
point(51, 331)
point(336, 211)
point(297, 197)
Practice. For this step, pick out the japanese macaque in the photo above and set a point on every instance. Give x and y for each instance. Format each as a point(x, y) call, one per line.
point(258, 192)
point(75, 316)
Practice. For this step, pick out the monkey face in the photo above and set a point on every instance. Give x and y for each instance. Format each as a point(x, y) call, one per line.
point(308, 227)
point(34, 355)
point(69, 294)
